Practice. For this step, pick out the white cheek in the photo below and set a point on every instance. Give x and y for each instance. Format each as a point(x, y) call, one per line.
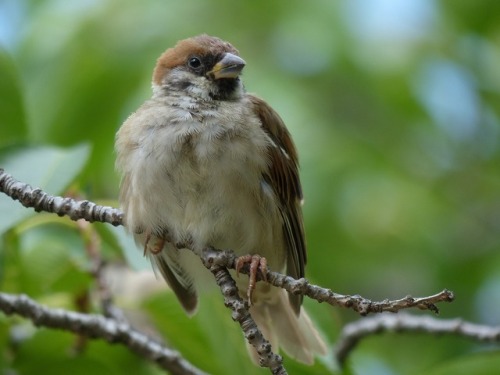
point(198, 91)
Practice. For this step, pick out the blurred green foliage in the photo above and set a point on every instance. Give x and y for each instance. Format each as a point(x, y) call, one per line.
point(394, 106)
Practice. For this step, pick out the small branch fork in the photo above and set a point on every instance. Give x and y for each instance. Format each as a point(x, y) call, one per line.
point(240, 314)
point(217, 261)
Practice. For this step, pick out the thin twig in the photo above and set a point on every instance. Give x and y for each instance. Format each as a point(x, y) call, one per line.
point(364, 306)
point(354, 332)
point(93, 250)
point(93, 326)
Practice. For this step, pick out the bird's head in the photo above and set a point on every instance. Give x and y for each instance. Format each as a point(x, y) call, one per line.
point(205, 67)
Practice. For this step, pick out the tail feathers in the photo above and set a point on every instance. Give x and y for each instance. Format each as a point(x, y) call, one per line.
point(283, 328)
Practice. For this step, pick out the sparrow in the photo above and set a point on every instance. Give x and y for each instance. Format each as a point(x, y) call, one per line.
point(204, 163)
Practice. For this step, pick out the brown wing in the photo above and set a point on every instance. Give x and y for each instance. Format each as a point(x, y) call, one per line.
point(177, 279)
point(283, 176)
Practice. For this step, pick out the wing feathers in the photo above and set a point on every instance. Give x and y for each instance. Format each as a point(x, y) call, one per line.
point(283, 175)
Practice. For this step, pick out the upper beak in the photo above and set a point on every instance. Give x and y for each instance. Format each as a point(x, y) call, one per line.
point(229, 67)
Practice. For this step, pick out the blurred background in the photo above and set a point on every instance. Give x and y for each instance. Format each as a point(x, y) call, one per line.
point(394, 106)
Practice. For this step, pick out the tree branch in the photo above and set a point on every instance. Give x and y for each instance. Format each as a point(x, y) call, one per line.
point(89, 211)
point(354, 332)
point(93, 326)
point(241, 314)
point(218, 261)
point(364, 306)
point(41, 201)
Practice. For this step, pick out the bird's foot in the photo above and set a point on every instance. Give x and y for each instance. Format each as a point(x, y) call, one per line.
point(257, 263)
point(153, 244)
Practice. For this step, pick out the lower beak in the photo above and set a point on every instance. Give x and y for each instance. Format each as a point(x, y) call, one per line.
point(229, 67)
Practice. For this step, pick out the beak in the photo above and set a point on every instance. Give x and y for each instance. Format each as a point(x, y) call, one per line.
point(229, 67)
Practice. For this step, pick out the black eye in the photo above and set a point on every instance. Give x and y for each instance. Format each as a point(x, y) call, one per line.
point(194, 62)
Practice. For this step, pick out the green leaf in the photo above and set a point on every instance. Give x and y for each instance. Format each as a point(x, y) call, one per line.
point(12, 114)
point(49, 168)
point(53, 248)
point(110, 243)
point(477, 364)
point(63, 353)
point(130, 250)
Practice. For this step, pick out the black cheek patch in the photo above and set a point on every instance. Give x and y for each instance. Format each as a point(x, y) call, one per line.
point(225, 88)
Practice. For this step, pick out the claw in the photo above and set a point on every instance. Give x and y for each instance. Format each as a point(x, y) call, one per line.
point(148, 237)
point(156, 247)
point(257, 263)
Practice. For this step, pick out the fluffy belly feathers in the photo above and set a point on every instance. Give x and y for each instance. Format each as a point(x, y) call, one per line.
point(196, 186)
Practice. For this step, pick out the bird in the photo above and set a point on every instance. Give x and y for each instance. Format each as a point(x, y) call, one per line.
point(204, 163)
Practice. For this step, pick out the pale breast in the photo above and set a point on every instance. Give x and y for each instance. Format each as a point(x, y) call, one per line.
point(198, 174)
